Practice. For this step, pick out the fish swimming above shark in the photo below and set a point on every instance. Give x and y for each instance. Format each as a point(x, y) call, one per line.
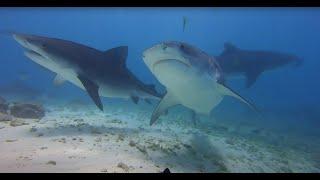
point(192, 78)
point(98, 73)
point(252, 63)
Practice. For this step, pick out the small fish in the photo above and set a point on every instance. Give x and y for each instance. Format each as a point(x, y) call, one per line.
point(184, 24)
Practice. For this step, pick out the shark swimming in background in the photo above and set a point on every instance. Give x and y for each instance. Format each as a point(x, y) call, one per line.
point(192, 78)
point(99, 73)
point(252, 63)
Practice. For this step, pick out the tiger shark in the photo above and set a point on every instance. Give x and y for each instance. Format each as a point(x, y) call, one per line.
point(237, 62)
point(98, 73)
point(192, 78)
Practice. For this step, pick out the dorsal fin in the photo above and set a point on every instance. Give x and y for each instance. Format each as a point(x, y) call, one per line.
point(118, 54)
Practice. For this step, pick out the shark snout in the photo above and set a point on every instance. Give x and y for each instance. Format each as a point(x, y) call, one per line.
point(143, 56)
point(30, 43)
point(21, 39)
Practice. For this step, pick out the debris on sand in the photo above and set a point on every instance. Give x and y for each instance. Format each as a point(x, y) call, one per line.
point(5, 117)
point(18, 122)
point(104, 170)
point(51, 163)
point(95, 131)
point(99, 139)
point(39, 134)
point(32, 111)
point(33, 129)
point(123, 166)
point(142, 149)
point(132, 143)
point(230, 141)
point(11, 140)
point(63, 140)
point(78, 120)
point(120, 137)
point(43, 148)
point(116, 121)
point(187, 146)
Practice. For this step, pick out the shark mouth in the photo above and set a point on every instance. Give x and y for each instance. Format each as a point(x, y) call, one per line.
point(33, 54)
point(169, 60)
point(29, 51)
point(38, 58)
point(30, 48)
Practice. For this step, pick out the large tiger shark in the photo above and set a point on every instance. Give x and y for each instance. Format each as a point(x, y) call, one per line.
point(192, 78)
point(252, 63)
point(98, 73)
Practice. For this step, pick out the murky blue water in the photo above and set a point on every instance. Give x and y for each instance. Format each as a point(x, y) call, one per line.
point(287, 96)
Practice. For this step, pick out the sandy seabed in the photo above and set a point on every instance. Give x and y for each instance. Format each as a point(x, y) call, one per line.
point(120, 140)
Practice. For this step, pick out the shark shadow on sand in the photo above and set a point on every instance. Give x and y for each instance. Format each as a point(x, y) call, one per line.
point(199, 155)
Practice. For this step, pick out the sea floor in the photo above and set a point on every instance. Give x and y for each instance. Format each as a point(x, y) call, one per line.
point(118, 140)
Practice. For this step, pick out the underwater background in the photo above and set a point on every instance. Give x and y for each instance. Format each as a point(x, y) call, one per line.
point(288, 96)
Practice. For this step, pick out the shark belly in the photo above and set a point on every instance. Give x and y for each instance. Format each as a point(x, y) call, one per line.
point(67, 74)
point(190, 88)
point(106, 90)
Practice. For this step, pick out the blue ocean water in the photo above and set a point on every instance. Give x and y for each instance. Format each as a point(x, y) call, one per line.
point(288, 96)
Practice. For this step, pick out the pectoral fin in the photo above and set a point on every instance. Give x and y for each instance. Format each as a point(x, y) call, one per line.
point(92, 90)
point(229, 92)
point(166, 102)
